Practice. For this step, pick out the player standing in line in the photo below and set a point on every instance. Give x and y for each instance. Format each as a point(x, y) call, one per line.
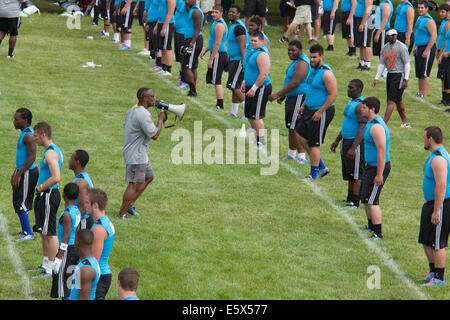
point(180, 17)
point(348, 8)
point(378, 164)
point(434, 221)
point(125, 22)
point(444, 11)
point(26, 173)
point(87, 272)
point(77, 164)
point(382, 23)
point(329, 21)
point(237, 41)
point(192, 46)
point(294, 91)
point(352, 150)
point(67, 256)
point(317, 111)
point(363, 33)
point(127, 284)
point(164, 29)
point(404, 23)
point(47, 198)
point(218, 53)
point(104, 234)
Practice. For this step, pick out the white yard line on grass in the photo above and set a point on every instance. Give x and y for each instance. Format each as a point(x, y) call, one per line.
point(17, 262)
point(387, 260)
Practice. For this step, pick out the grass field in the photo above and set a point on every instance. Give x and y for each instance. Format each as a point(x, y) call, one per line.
point(218, 231)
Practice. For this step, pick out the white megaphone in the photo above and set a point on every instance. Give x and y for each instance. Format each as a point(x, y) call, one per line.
point(177, 109)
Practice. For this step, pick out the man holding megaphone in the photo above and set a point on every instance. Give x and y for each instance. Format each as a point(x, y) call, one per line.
point(139, 129)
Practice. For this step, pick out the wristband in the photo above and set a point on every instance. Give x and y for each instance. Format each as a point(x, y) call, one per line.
point(40, 188)
point(63, 246)
point(255, 87)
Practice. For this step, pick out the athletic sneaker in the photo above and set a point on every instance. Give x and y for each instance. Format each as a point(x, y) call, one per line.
point(192, 94)
point(42, 275)
point(434, 282)
point(428, 277)
point(25, 238)
point(38, 269)
point(131, 210)
point(351, 208)
point(302, 161)
point(115, 41)
point(144, 52)
point(367, 229)
point(322, 173)
point(183, 85)
point(124, 217)
point(232, 115)
point(156, 67)
point(104, 35)
point(288, 157)
point(124, 47)
point(375, 238)
point(244, 118)
point(259, 145)
point(419, 95)
point(405, 125)
point(165, 73)
point(365, 68)
point(9, 57)
point(283, 40)
point(218, 107)
point(308, 177)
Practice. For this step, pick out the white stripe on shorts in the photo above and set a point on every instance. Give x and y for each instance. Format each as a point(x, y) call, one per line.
point(47, 213)
point(26, 179)
point(236, 75)
point(191, 58)
point(259, 103)
point(373, 194)
point(215, 67)
point(166, 38)
point(357, 160)
point(323, 119)
point(437, 245)
point(298, 104)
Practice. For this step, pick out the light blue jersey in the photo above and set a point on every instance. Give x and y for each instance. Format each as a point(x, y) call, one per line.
point(421, 34)
point(429, 182)
point(45, 173)
point(75, 217)
point(90, 262)
point(350, 124)
point(212, 36)
point(105, 223)
point(22, 152)
point(401, 21)
point(302, 87)
point(370, 149)
point(317, 93)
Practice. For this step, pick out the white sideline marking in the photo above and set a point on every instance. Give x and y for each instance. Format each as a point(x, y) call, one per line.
point(17, 262)
point(387, 260)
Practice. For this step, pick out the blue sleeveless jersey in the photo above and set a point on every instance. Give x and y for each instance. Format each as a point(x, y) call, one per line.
point(441, 34)
point(163, 11)
point(83, 176)
point(447, 43)
point(189, 29)
point(421, 34)
point(131, 298)
point(327, 5)
point(105, 223)
point(234, 51)
point(370, 150)
point(75, 216)
point(90, 262)
point(429, 183)
point(350, 124)
point(401, 22)
point(379, 15)
point(301, 88)
point(152, 8)
point(212, 36)
point(360, 8)
point(44, 173)
point(22, 152)
point(251, 68)
point(180, 16)
point(346, 5)
point(316, 93)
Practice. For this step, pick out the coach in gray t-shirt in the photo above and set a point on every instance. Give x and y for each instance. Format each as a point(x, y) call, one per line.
point(139, 129)
point(395, 58)
point(10, 21)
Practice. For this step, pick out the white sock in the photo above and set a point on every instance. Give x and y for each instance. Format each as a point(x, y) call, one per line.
point(302, 156)
point(292, 153)
point(116, 37)
point(243, 104)
point(362, 62)
point(128, 43)
point(47, 265)
point(368, 64)
point(235, 108)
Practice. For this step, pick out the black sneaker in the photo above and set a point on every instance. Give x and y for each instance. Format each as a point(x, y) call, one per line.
point(330, 48)
point(359, 66)
point(365, 68)
point(192, 94)
point(351, 54)
point(218, 107)
point(284, 40)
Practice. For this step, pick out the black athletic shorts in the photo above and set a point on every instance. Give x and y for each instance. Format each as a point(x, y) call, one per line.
point(441, 69)
point(153, 39)
point(377, 46)
point(178, 43)
point(314, 131)
point(369, 192)
point(61, 281)
point(255, 108)
point(112, 8)
point(424, 65)
point(363, 38)
point(291, 107)
point(432, 235)
point(214, 75)
point(347, 31)
point(165, 43)
point(190, 61)
point(394, 89)
point(286, 10)
point(352, 169)
point(10, 26)
point(402, 37)
point(24, 193)
point(255, 7)
point(103, 286)
point(328, 25)
point(125, 22)
point(45, 208)
point(314, 11)
point(446, 73)
point(102, 10)
point(141, 10)
point(235, 74)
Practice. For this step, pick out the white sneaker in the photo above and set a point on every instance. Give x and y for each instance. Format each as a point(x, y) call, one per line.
point(144, 52)
point(25, 238)
point(165, 73)
point(9, 57)
point(405, 125)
